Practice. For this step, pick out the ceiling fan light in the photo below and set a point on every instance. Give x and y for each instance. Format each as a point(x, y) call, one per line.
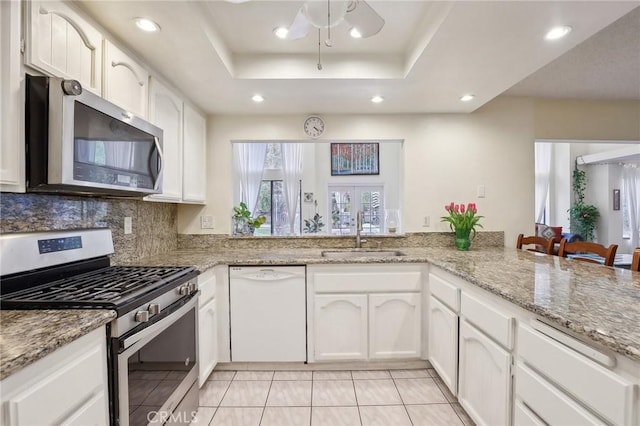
point(281, 32)
point(377, 99)
point(468, 97)
point(316, 13)
point(257, 98)
point(355, 33)
point(558, 32)
point(147, 25)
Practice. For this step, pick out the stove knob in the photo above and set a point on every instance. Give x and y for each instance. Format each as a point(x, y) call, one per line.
point(183, 290)
point(154, 309)
point(142, 316)
point(193, 287)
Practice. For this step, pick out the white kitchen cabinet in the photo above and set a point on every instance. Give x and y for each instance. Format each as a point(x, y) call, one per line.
point(61, 43)
point(340, 327)
point(364, 311)
point(566, 363)
point(194, 188)
point(68, 386)
point(485, 377)
point(126, 82)
point(165, 111)
point(394, 325)
point(443, 343)
point(12, 161)
point(207, 325)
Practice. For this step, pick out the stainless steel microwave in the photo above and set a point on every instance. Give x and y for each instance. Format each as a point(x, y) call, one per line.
point(78, 142)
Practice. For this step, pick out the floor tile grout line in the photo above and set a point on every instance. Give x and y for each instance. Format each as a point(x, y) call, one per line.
point(401, 399)
point(264, 408)
point(355, 395)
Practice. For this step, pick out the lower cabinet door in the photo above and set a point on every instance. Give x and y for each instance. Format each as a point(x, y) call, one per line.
point(340, 323)
point(394, 325)
point(523, 416)
point(208, 340)
point(485, 378)
point(443, 343)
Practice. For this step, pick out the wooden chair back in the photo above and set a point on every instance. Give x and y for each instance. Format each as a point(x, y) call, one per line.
point(609, 253)
point(542, 245)
point(635, 262)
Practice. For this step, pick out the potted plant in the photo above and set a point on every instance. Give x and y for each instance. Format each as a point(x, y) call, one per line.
point(583, 217)
point(463, 221)
point(243, 222)
point(315, 224)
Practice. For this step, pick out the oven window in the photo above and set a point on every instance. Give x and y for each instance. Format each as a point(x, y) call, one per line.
point(158, 369)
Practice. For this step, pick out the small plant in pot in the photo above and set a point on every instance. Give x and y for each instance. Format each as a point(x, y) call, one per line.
point(243, 222)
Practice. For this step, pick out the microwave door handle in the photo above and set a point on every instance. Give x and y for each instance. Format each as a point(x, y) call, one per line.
point(160, 160)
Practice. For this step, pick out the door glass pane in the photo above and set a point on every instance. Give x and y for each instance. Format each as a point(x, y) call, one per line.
point(371, 213)
point(341, 209)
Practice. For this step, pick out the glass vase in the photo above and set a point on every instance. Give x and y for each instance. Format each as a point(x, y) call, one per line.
point(463, 240)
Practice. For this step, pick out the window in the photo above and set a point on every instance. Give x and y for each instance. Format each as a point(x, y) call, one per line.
point(346, 201)
point(272, 201)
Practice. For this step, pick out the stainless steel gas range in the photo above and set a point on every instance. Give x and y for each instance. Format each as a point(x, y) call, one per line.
point(152, 343)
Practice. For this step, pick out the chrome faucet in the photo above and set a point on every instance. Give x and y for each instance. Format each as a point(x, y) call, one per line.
point(359, 239)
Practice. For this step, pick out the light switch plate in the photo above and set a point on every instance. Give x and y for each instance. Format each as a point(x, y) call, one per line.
point(206, 222)
point(480, 191)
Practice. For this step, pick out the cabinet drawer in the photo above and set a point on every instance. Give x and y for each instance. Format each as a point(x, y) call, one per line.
point(597, 387)
point(445, 292)
point(547, 402)
point(494, 323)
point(522, 416)
point(368, 278)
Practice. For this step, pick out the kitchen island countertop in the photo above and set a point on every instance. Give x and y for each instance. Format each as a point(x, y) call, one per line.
point(599, 303)
point(27, 336)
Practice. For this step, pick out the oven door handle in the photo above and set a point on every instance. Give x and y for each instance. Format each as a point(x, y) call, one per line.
point(161, 325)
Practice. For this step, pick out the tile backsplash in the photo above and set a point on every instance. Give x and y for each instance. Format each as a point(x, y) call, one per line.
point(155, 228)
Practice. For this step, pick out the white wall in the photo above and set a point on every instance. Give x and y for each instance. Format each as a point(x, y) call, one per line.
point(446, 157)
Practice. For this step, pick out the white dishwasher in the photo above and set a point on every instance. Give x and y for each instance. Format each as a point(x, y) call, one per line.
point(268, 313)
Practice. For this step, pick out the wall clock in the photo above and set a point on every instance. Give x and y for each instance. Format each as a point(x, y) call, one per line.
point(314, 127)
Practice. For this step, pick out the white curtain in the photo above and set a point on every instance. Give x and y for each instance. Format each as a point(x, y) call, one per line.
point(249, 162)
point(292, 173)
point(631, 194)
point(543, 174)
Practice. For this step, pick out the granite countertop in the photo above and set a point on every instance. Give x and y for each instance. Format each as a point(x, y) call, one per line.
point(27, 336)
point(597, 302)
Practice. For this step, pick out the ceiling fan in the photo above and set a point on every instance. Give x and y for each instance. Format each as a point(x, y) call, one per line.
point(326, 15)
point(357, 13)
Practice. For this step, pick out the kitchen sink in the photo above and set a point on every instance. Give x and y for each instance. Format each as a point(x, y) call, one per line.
point(361, 253)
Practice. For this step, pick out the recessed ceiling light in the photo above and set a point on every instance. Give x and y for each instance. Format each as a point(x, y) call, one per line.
point(467, 97)
point(147, 25)
point(257, 98)
point(355, 33)
point(558, 32)
point(281, 32)
point(377, 99)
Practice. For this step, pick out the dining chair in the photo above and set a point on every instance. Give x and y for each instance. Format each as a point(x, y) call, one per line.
point(635, 262)
point(542, 245)
point(589, 248)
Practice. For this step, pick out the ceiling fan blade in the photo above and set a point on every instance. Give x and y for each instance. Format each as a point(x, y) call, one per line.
point(362, 17)
point(299, 28)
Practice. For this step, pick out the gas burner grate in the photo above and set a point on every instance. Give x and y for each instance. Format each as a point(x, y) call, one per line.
point(112, 285)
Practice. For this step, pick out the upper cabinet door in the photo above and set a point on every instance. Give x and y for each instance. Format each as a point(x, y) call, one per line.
point(165, 111)
point(126, 83)
point(12, 164)
point(194, 188)
point(62, 44)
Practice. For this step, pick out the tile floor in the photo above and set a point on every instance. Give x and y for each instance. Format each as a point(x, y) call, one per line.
point(328, 398)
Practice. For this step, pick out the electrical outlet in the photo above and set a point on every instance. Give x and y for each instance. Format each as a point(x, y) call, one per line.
point(206, 222)
point(426, 222)
point(128, 225)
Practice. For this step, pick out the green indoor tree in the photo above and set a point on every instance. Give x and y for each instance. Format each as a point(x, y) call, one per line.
point(583, 216)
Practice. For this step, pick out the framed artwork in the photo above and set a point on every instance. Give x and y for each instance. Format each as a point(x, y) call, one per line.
point(355, 159)
point(616, 199)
